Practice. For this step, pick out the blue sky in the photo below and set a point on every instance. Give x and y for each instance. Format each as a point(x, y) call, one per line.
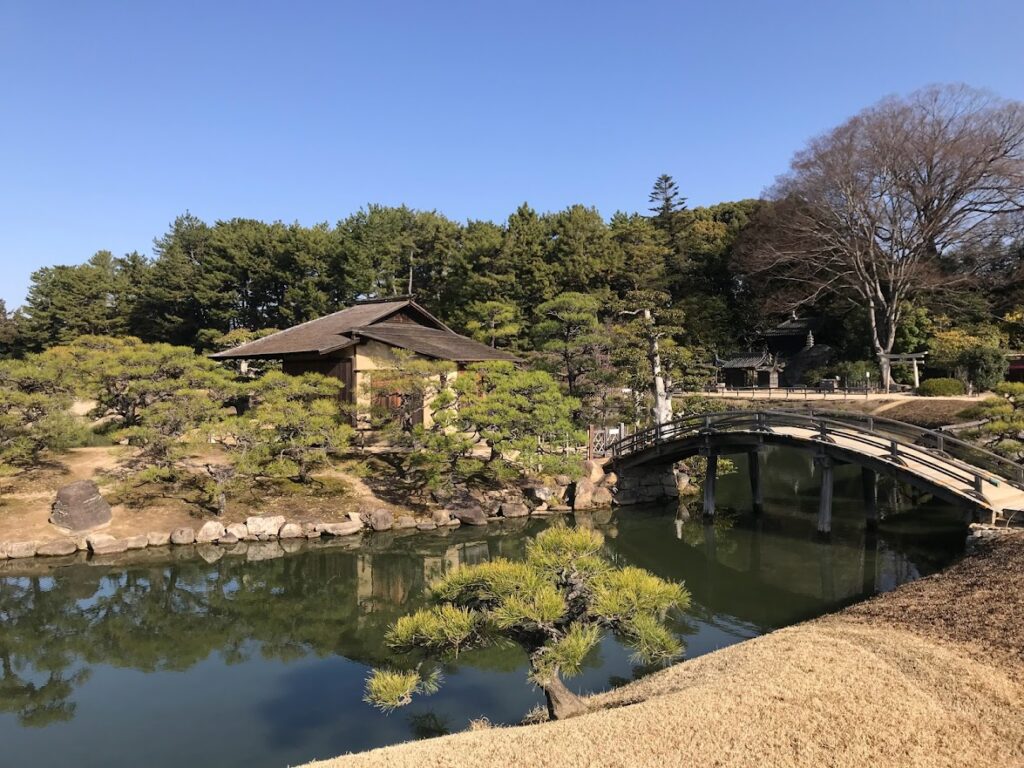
point(117, 116)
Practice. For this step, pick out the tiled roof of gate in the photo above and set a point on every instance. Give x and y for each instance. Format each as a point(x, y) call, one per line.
point(750, 360)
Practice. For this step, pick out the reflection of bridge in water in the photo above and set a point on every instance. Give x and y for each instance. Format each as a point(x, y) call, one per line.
point(987, 484)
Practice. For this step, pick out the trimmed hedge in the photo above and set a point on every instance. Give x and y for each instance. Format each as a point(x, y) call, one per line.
point(941, 388)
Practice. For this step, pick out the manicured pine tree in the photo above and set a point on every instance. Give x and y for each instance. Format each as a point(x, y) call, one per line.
point(556, 605)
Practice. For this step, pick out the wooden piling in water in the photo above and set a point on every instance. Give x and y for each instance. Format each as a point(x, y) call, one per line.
point(825, 500)
point(756, 482)
point(869, 484)
point(709, 484)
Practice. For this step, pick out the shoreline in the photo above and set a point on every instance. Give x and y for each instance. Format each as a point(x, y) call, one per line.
point(930, 674)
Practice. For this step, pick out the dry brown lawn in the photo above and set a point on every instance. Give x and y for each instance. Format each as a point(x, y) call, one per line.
point(930, 675)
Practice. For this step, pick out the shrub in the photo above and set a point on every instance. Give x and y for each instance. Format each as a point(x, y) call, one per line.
point(941, 388)
point(985, 367)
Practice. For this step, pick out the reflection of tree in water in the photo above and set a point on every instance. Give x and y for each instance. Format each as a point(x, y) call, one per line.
point(427, 725)
point(170, 616)
point(39, 635)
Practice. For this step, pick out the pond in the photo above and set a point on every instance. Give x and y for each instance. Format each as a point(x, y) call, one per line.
point(261, 662)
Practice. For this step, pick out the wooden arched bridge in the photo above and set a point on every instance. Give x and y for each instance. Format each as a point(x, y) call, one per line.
point(989, 485)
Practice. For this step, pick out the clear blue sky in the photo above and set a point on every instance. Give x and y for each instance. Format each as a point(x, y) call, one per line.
point(117, 116)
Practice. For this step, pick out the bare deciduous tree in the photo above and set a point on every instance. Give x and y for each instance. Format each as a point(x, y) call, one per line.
point(881, 209)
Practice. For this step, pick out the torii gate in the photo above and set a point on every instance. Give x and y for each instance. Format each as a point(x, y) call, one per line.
point(905, 357)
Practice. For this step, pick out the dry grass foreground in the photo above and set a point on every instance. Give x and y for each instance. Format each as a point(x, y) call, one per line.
point(929, 675)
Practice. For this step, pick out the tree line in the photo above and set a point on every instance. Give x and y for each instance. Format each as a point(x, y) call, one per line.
point(902, 229)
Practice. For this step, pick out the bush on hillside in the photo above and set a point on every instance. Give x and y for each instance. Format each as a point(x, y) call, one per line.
point(985, 367)
point(941, 388)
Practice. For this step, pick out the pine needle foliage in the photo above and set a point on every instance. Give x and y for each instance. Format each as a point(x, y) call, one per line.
point(557, 605)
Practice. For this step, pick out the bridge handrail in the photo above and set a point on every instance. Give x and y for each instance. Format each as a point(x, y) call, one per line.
point(867, 428)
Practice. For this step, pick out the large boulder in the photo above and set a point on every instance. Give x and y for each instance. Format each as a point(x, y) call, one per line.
point(538, 494)
point(514, 509)
point(80, 507)
point(470, 514)
point(104, 544)
point(57, 547)
point(238, 530)
point(209, 532)
point(158, 538)
point(404, 522)
point(583, 494)
point(140, 541)
point(593, 471)
point(378, 519)
point(290, 531)
point(602, 497)
point(264, 527)
point(183, 536)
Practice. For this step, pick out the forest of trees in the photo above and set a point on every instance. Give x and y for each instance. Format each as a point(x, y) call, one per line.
point(902, 229)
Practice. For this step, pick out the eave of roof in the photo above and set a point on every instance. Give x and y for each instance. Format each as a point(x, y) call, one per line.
point(433, 342)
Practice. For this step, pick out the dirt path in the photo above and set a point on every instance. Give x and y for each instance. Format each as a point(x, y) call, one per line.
point(929, 675)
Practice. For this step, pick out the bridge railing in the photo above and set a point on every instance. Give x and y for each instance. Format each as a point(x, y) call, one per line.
point(939, 451)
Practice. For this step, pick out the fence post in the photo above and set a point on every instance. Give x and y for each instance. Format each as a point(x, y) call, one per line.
point(590, 442)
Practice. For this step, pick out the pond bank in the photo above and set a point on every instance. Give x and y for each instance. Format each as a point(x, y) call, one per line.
point(931, 674)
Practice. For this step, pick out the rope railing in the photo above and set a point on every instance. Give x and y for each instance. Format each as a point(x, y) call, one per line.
point(937, 450)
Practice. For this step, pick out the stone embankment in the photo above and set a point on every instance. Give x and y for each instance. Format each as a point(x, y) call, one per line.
point(80, 510)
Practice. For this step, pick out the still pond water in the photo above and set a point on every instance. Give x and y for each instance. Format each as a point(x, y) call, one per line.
point(255, 663)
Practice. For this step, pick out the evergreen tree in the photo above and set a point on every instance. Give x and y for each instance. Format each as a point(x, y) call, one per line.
point(170, 307)
point(10, 332)
point(523, 258)
point(567, 335)
point(556, 605)
point(666, 203)
point(496, 323)
point(643, 252)
point(92, 298)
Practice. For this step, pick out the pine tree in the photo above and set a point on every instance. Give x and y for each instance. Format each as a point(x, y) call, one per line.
point(667, 202)
point(557, 605)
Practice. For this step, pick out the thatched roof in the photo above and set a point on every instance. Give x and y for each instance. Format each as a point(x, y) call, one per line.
point(419, 332)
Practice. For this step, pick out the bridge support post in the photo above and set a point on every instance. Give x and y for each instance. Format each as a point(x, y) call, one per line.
point(710, 479)
point(869, 485)
point(756, 483)
point(825, 500)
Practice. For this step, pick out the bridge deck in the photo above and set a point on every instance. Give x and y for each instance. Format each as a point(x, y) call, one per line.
point(994, 492)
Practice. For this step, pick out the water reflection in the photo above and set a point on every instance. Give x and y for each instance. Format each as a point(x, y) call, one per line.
point(278, 643)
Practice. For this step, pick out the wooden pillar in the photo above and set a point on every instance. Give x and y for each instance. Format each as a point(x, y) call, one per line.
point(825, 500)
point(756, 482)
point(869, 484)
point(917, 377)
point(709, 484)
